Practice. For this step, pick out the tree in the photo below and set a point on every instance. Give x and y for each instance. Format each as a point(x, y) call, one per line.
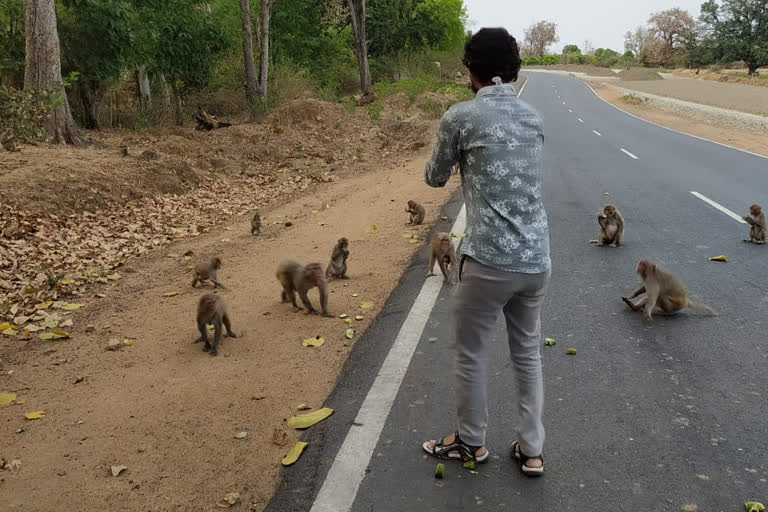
point(588, 48)
point(539, 36)
point(641, 43)
point(437, 24)
point(43, 69)
point(251, 84)
point(571, 48)
point(357, 12)
point(739, 30)
point(672, 29)
point(266, 12)
point(606, 57)
point(12, 42)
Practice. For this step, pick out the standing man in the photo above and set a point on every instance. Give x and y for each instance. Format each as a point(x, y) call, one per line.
point(497, 140)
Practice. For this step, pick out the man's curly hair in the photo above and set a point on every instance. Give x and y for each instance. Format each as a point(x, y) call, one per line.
point(492, 52)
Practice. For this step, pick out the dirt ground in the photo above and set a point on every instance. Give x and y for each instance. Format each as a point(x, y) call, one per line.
point(742, 139)
point(168, 411)
point(726, 75)
point(744, 98)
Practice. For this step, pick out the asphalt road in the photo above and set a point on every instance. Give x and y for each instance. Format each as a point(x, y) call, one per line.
point(671, 416)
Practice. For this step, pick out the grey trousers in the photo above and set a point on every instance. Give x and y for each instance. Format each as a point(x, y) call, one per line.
point(482, 294)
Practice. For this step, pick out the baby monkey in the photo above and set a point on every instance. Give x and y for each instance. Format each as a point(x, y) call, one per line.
point(611, 227)
point(295, 277)
point(417, 212)
point(208, 271)
point(338, 265)
point(212, 310)
point(442, 251)
point(665, 293)
point(756, 221)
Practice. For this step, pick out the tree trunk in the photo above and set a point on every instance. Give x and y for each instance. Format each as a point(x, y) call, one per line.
point(145, 93)
point(251, 84)
point(266, 7)
point(177, 102)
point(43, 69)
point(357, 12)
point(86, 88)
point(165, 94)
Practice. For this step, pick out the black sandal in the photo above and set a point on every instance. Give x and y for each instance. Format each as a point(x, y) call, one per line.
point(518, 455)
point(457, 450)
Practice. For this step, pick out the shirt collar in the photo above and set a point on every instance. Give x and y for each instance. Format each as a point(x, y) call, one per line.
point(497, 90)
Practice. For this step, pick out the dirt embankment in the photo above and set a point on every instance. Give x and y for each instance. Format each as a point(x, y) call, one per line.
point(159, 405)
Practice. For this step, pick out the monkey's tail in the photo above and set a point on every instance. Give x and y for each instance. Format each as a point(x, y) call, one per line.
point(702, 308)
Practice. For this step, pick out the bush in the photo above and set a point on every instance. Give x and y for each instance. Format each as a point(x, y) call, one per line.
point(25, 112)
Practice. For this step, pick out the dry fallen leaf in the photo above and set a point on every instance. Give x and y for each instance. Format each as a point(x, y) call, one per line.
point(366, 305)
point(458, 235)
point(71, 307)
point(317, 341)
point(279, 437)
point(99, 295)
point(67, 323)
point(5, 325)
point(301, 407)
point(294, 453)
point(302, 421)
point(372, 229)
point(45, 305)
point(170, 294)
point(34, 415)
point(114, 277)
point(7, 398)
point(570, 351)
point(10, 332)
point(241, 435)
point(228, 500)
point(66, 281)
point(722, 258)
point(116, 470)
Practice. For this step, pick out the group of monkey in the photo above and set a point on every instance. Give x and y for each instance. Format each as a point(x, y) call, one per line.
point(297, 278)
point(664, 293)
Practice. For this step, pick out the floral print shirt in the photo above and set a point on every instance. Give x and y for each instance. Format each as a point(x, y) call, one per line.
point(497, 140)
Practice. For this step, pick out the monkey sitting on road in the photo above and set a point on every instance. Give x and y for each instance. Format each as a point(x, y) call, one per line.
point(756, 220)
point(208, 271)
point(212, 310)
point(256, 224)
point(295, 277)
point(338, 265)
point(417, 212)
point(665, 293)
point(611, 227)
point(442, 251)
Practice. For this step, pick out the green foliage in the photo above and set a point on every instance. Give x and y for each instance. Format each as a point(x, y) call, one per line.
point(605, 57)
point(12, 42)
point(374, 110)
point(420, 84)
point(25, 112)
point(438, 24)
point(571, 48)
point(738, 30)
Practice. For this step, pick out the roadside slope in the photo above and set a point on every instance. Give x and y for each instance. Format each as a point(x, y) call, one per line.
point(168, 411)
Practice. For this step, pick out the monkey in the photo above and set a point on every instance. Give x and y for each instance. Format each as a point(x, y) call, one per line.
point(417, 212)
point(212, 310)
point(611, 227)
point(665, 293)
point(9, 141)
point(442, 250)
point(756, 220)
point(207, 271)
point(256, 224)
point(295, 277)
point(338, 265)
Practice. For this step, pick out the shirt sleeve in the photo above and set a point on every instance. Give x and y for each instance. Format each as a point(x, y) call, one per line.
point(446, 152)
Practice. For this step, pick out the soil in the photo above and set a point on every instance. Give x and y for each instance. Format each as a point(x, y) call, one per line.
point(734, 76)
point(744, 98)
point(742, 139)
point(162, 407)
point(639, 74)
point(578, 68)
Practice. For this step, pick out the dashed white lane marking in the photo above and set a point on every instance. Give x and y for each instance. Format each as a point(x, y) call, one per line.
point(563, 103)
point(597, 133)
point(719, 207)
point(343, 481)
point(581, 120)
point(630, 155)
point(571, 111)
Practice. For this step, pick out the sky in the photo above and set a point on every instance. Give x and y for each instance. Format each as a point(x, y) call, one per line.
point(603, 22)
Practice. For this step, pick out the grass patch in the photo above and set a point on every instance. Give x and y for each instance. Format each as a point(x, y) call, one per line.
point(631, 99)
point(419, 84)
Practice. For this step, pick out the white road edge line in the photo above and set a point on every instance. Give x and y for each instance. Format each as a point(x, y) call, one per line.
point(340, 488)
point(527, 78)
point(630, 155)
point(597, 133)
point(719, 207)
point(671, 129)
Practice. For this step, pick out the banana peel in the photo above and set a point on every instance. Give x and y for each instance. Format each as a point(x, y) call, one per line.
point(317, 341)
point(754, 506)
point(294, 453)
point(302, 421)
point(722, 258)
point(439, 470)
